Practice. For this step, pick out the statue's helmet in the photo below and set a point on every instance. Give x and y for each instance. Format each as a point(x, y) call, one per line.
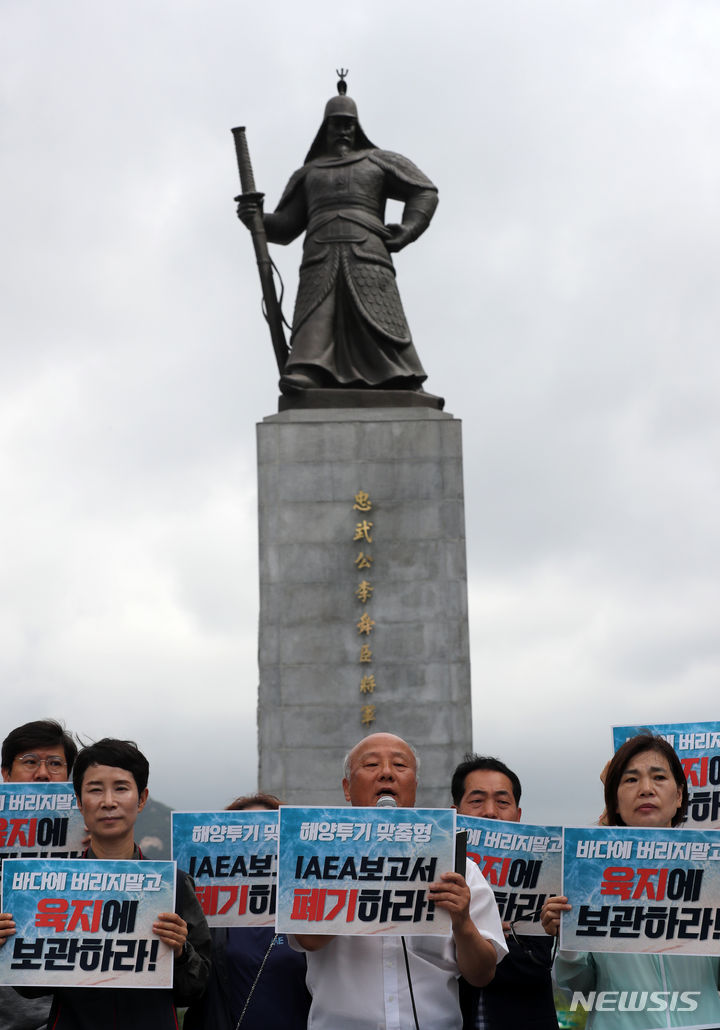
point(341, 105)
point(345, 107)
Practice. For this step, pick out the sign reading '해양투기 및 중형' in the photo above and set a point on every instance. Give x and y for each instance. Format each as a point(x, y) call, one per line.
point(232, 857)
point(363, 870)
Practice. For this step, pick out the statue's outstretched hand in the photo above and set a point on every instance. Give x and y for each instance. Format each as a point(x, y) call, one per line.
point(249, 206)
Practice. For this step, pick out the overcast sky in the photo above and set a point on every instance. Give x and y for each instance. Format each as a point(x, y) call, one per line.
point(564, 301)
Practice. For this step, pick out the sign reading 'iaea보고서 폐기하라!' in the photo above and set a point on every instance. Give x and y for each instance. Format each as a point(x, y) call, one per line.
point(232, 856)
point(86, 923)
point(40, 820)
point(698, 748)
point(362, 870)
point(521, 862)
point(634, 889)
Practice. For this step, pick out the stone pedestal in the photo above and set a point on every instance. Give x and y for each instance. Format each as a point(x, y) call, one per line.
point(363, 595)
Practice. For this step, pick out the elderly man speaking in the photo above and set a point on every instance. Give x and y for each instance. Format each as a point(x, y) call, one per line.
point(362, 982)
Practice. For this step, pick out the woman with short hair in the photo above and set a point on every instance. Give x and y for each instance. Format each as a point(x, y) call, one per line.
point(645, 786)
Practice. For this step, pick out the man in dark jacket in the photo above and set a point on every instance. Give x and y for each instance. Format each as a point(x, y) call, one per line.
point(521, 994)
point(110, 780)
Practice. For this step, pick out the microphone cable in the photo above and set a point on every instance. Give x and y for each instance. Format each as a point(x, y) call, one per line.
point(272, 944)
point(409, 980)
point(388, 801)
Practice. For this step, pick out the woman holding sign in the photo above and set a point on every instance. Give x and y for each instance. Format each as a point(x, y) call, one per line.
point(110, 779)
point(645, 786)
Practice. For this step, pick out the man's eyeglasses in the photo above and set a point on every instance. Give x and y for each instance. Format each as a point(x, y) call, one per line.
point(32, 763)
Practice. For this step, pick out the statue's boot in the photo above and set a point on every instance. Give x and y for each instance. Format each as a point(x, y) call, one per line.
point(299, 379)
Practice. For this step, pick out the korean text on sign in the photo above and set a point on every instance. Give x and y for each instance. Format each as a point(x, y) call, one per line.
point(40, 820)
point(641, 890)
point(232, 856)
point(362, 870)
point(521, 862)
point(86, 923)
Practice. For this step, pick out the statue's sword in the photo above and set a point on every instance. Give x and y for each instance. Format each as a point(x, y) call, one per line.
point(272, 312)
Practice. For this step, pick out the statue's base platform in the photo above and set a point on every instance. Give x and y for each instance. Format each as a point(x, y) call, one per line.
point(363, 594)
point(365, 398)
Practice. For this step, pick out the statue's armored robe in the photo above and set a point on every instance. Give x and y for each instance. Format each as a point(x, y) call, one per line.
point(349, 326)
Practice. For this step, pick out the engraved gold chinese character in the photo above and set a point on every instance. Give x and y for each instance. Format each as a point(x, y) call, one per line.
point(362, 531)
point(364, 561)
point(367, 714)
point(362, 501)
point(367, 685)
point(365, 653)
point(366, 624)
point(364, 591)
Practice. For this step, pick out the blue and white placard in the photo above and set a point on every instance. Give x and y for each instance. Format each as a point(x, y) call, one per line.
point(40, 820)
point(698, 747)
point(363, 870)
point(521, 862)
point(232, 856)
point(641, 890)
point(86, 923)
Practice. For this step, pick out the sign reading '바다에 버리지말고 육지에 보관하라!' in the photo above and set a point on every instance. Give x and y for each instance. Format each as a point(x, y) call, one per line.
point(232, 856)
point(363, 870)
point(86, 923)
point(521, 862)
point(40, 820)
point(635, 889)
point(698, 747)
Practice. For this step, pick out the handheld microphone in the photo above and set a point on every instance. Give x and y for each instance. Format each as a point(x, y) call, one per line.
point(386, 801)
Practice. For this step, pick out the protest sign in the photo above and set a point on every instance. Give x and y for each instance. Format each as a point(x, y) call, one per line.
point(641, 890)
point(40, 820)
point(698, 747)
point(232, 857)
point(363, 870)
point(86, 923)
point(521, 862)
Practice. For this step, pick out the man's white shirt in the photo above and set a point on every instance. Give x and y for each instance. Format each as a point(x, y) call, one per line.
point(360, 982)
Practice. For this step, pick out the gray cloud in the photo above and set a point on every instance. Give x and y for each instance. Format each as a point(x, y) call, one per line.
point(563, 301)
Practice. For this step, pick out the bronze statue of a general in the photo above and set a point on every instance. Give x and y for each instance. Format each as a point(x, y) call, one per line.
point(349, 328)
